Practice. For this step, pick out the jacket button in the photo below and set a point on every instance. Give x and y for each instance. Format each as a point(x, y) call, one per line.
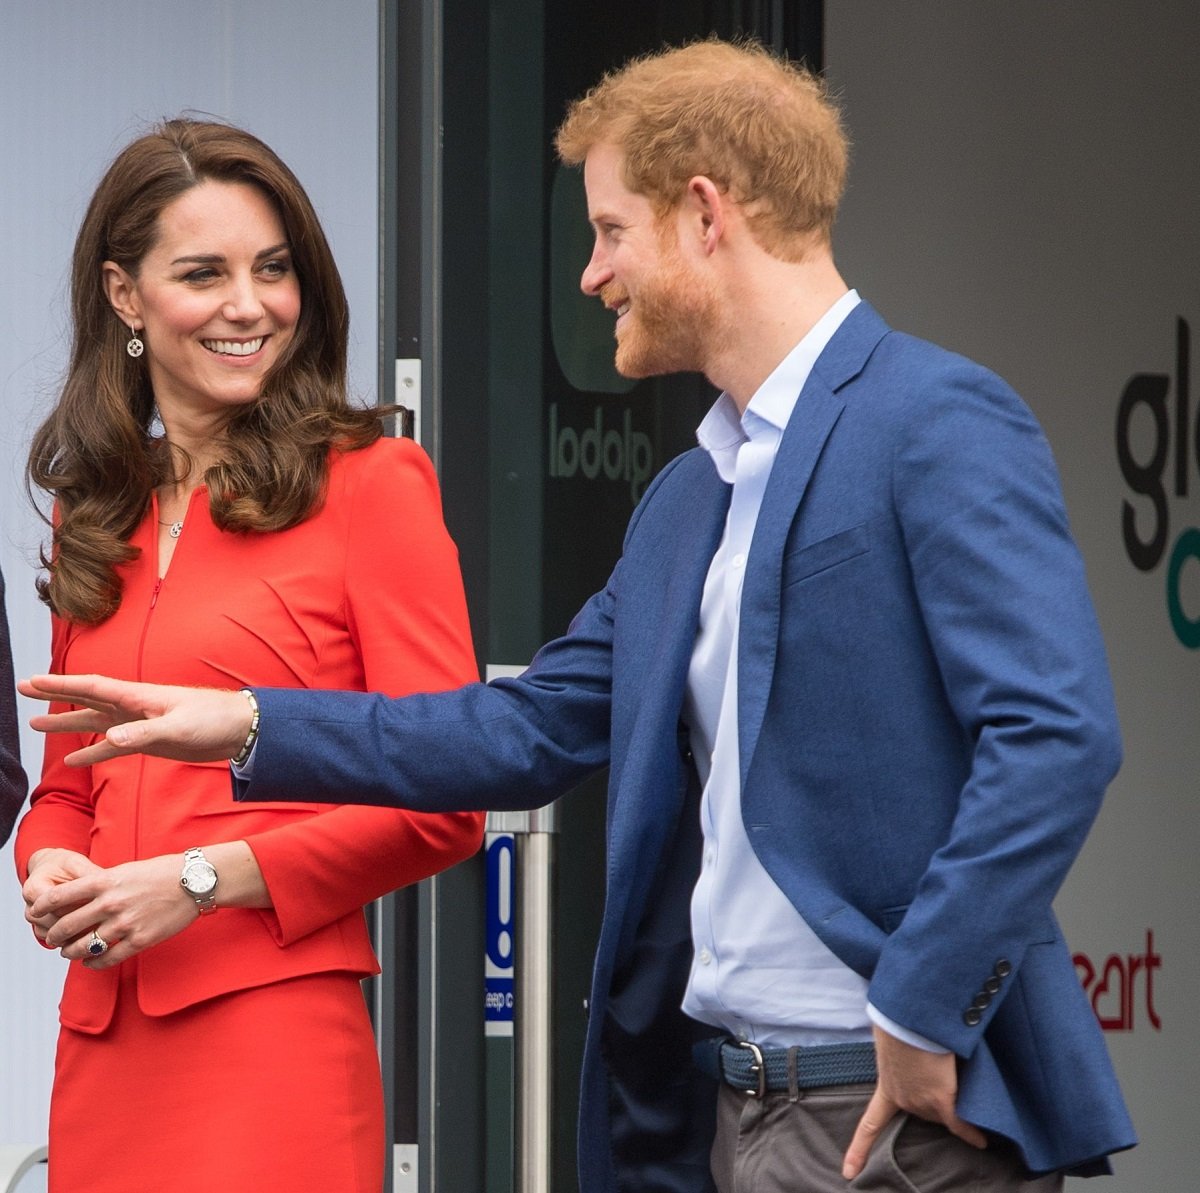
point(1003, 968)
point(992, 985)
point(983, 1000)
point(973, 1017)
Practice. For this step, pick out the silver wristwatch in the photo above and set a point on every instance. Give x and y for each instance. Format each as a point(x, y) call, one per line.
point(199, 879)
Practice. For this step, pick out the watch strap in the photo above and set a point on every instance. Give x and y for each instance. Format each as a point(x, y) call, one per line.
point(206, 902)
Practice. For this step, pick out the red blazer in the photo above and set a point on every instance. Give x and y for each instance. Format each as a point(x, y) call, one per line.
point(365, 594)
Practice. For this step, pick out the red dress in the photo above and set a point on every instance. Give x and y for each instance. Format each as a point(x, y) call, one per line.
point(240, 1050)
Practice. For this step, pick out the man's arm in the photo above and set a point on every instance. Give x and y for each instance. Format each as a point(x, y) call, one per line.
point(1002, 596)
point(514, 743)
point(188, 724)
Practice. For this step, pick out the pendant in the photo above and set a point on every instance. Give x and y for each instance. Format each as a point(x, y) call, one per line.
point(176, 529)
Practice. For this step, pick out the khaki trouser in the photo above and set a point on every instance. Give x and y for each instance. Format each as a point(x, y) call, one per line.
point(776, 1146)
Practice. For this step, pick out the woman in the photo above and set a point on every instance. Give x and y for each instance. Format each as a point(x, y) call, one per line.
point(223, 517)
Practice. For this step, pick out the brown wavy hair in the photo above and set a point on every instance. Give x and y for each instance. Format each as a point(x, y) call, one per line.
point(763, 129)
point(95, 453)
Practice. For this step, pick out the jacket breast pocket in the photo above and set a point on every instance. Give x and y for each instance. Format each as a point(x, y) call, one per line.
point(810, 560)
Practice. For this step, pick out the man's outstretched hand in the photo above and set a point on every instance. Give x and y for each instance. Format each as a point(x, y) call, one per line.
point(188, 724)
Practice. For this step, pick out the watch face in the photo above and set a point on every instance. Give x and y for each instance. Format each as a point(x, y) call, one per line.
point(199, 878)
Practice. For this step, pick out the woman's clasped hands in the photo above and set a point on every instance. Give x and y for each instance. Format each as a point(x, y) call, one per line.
point(104, 915)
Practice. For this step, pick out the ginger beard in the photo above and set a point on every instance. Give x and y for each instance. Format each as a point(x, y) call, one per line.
point(672, 325)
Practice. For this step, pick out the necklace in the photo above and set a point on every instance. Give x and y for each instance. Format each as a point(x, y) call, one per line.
point(176, 527)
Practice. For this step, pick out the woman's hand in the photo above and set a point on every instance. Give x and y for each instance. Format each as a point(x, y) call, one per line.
point(49, 868)
point(137, 904)
point(130, 906)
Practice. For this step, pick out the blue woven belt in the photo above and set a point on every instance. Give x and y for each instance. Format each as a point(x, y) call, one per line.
point(761, 1071)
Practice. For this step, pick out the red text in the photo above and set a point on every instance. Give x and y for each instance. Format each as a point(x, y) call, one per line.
point(1120, 985)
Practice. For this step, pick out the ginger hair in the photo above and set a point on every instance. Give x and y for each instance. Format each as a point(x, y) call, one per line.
point(764, 130)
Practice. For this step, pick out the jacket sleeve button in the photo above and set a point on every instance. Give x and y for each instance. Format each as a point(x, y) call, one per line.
point(1003, 968)
point(973, 1017)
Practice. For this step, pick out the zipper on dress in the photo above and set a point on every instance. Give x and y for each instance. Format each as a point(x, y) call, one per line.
point(139, 674)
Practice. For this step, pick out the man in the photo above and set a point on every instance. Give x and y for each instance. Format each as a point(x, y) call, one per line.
point(846, 676)
point(12, 777)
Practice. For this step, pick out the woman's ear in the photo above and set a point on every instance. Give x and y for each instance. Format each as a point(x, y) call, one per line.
point(122, 294)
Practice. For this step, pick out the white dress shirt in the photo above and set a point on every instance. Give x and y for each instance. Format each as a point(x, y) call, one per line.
point(759, 971)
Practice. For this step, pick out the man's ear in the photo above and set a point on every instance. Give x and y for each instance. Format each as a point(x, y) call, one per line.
point(708, 206)
point(121, 290)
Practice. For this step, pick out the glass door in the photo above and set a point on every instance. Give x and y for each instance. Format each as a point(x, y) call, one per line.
point(543, 452)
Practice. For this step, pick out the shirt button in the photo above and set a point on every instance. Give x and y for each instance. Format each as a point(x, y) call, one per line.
point(739, 560)
point(708, 857)
point(705, 957)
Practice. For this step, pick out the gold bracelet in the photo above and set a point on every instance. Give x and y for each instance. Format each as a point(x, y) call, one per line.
point(243, 754)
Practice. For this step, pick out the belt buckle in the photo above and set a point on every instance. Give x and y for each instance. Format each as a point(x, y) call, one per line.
point(757, 1065)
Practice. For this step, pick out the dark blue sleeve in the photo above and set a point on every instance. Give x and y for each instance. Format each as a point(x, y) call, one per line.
point(514, 743)
point(12, 777)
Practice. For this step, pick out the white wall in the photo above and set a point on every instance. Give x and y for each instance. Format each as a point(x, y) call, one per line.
point(78, 80)
point(1025, 189)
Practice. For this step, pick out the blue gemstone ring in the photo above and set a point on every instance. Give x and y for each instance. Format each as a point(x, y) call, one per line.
point(97, 945)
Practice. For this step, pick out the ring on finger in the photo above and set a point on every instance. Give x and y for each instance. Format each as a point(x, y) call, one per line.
point(96, 944)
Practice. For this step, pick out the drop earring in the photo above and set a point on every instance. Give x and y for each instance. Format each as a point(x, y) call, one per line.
point(135, 347)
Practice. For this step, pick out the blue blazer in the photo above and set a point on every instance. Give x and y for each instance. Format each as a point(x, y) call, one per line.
point(926, 729)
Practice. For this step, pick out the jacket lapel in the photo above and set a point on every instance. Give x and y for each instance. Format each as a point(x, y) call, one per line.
point(816, 413)
point(646, 796)
point(659, 654)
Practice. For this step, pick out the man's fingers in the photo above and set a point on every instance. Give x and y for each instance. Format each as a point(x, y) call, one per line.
point(137, 735)
point(174, 734)
point(188, 724)
point(879, 1112)
point(32, 687)
point(132, 737)
point(106, 704)
point(966, 1132)
point(78, 720)
point(102, 751)
point(94, 691)
point(113, 742)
